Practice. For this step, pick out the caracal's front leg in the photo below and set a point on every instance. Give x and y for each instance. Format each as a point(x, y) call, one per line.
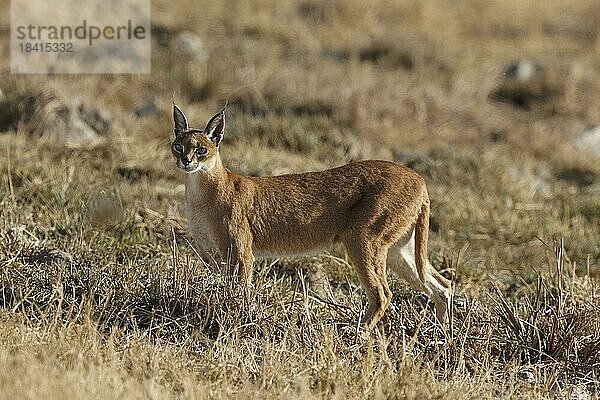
point(243, 260)
point(205, 250)
point(236, 248)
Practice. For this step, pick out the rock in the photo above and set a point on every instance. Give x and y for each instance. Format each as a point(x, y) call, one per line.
point(533, 182)
point(133, 174)
point(146, 110)
point(97, 120)
point(162, 35)
point(82, 124)
point(526, 375)
point(192, 45)
point(383, 53)
point(78, 130)
point(40, 112)
point(526, 85)
point(588, 141)
point(522, 70)
point(337, 55)
point(2, 96)
point(577, 175)
point(52, 116)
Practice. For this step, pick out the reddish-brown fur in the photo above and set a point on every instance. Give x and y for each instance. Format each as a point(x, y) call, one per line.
point(421, 237)
point(368, 206)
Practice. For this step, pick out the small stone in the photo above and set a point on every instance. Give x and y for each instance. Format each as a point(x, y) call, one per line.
point(589, 141)
point(526, 375)
point(524, 85)
point(78, 130)
point(191, 44)
point(146, 109)
point(337, 55)
point(162, 35)
point(522, 70)
point(531, 181)
point(96, 119)
point(132, 174)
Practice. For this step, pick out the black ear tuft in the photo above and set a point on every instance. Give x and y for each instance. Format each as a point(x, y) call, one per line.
point(215, 128)
point(179, 120)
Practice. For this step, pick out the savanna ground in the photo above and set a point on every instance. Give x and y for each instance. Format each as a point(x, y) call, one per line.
point(101, 295)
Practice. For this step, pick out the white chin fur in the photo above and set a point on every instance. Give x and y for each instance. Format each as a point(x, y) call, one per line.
point(199, 167)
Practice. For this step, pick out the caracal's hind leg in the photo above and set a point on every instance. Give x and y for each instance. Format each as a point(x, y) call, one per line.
point(401, 258)
point(369, 263)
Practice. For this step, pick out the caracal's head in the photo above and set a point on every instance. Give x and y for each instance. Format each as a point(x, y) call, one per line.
point(197, 150)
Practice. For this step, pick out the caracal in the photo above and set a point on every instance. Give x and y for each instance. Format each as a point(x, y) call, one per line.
point(378, 210)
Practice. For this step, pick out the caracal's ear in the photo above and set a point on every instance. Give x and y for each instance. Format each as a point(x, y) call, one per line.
point(179, 120)
point(215, 128)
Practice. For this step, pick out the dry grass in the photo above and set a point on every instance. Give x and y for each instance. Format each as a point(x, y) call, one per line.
point(101, 296)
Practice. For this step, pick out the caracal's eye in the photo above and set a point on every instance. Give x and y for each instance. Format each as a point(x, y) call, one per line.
point(200, 151)
point(177, 148)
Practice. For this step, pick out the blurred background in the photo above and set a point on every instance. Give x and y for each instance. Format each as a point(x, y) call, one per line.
point(495, 103)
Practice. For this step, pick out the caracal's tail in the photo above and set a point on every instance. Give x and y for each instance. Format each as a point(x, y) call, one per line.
point(421, 237)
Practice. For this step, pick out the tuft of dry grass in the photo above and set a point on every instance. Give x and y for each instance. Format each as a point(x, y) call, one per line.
point(198, 330)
